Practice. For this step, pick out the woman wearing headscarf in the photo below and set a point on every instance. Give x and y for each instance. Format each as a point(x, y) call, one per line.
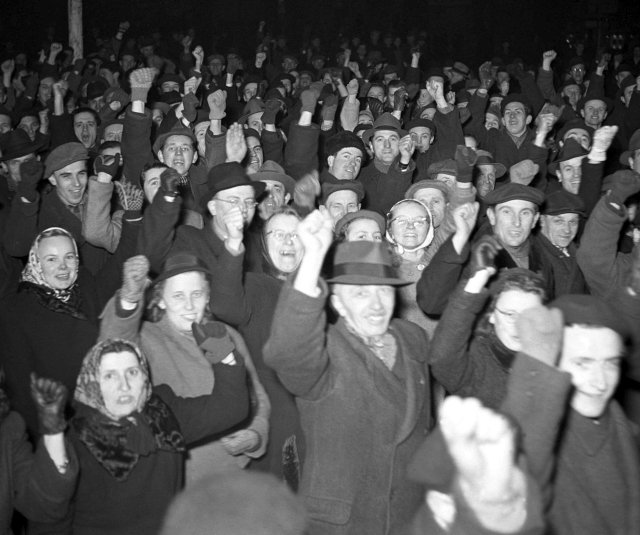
point(180, 340)
point(50, 323)
point(410, 231)
point(131, 437)
point(247, 301)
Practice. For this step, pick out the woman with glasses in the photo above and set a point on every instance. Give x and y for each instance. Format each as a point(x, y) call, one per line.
point(410, 231)
point(50, 323)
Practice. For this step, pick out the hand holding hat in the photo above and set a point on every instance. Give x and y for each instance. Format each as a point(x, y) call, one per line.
point(134, 278)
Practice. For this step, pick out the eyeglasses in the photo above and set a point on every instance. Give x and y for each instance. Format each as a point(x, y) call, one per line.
point(416, 222)
point(282, 236)
point(235, 201)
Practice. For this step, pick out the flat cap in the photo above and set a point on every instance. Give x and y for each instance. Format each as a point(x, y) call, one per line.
point(64, 155)
point(514, 192)
point(563, 202)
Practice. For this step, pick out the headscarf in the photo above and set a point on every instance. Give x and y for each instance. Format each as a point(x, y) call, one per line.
point(32, 272)
point(32, 279)
point(268, 267)
point(428, 238)
point(118, 443)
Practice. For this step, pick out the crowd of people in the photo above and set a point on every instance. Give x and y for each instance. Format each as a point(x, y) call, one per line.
point(406, 292)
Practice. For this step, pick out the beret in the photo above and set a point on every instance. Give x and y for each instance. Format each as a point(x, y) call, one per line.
point(64, 155)
point(428, 184)
point(338, 185)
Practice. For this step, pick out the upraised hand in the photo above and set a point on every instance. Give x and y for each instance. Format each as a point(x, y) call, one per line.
point(169, 180)
point(134, 278)
point(217, 104)
point(31, 172)
point(407, 147)
point(106, 165)
point(483, 254)
point(540, 333)
point(602, 139)
point(235, 144)
point(307, 190)
point(50, 397)
point(316, 233)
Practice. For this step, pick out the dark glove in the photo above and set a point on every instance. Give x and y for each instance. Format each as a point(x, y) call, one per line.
point(400, 99)
point(375, 106)
point(30, 174)
point(483, 253)
point(465, 160)
point(50, 398)
point(309, 99)
point(214, 341)
point(329, 108)
point(190, 111)
point(169, 180)
point(31, 86)
point(107, 164)
point(623, 184)
point(272, 107)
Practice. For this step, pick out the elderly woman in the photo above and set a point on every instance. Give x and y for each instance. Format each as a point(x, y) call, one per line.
point(410, 231)
point(174, 338)
point(131, 437)
point(49, 325)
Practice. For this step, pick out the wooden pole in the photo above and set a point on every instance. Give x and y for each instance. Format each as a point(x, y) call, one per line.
point(75, 28)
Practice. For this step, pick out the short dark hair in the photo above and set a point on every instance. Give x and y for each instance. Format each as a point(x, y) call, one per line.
point(86, 109)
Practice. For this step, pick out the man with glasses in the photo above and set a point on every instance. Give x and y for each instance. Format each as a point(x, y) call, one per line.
point(231, 204)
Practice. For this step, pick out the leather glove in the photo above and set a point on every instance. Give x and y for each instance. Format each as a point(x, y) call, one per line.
point(30, 174)
point(169, 180)
point(107, 164)
point(272, 107)
point(465, 160)
point(329, 108)
point(623, 184)
point(190, 111)
point(50, 397)
point(483, 253)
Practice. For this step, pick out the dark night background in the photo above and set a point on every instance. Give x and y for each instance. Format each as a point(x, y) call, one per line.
point(468, 30)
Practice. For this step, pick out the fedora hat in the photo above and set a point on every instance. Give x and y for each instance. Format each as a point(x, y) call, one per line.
point(364, 262)
point(486, 158)
point(16, 144)
point(386, 121)
point(571, 149)
point(181, 263)
point(634, 145)
point(270, 170)
point(229, 175)
point(361, 214)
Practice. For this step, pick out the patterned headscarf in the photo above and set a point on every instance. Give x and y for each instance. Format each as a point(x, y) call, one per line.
point(118, 443)
point(88, 384)
point(32, 272)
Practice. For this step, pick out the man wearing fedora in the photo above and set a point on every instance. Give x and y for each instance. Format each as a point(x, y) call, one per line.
point(361, 385)
point(230, 205)
point(390, 173)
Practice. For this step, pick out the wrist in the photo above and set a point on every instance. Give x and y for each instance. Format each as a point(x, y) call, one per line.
point(103, 178)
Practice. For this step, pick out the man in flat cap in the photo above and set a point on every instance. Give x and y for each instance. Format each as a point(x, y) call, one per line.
point(559, 223)
point(63, 204)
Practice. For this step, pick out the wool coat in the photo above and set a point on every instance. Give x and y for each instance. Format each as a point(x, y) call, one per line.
point(362, 422)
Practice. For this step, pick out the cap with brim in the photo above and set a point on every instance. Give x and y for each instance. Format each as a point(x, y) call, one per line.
point(361, 214)
point(330, 187)
point(596, 96)
point(386, 121)
point(17, 143)
point(181, 263)
point(364, 263)
point(563, 202)
point(421, 123)
point(177, 130)
point(574, 124)
point(444, 167)
point(486, 158)
point(589, 310)
point(253, 106)
point(514, 192)
point(229, 175)
point(64, 155)
point(634, 145)
point(270, 170)
point(571, 149)
point(428, 184)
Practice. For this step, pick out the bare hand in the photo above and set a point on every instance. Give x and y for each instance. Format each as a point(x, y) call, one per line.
point(465, 217)
point(306, 190)
point(198, 54)
point(235, 144)
point(316, 232)
point(134, 278)
point(540, 333)
point(407, 147)
point(233, 221)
